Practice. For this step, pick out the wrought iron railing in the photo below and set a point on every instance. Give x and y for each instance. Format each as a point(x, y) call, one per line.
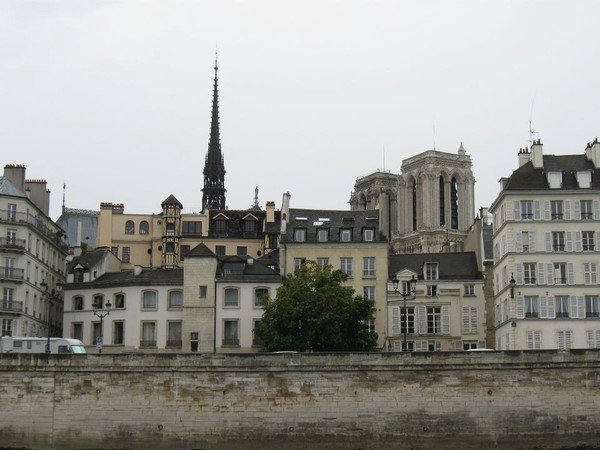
point(231, 341)
point(11, 306)
point(174, 343)
point(148, 343)
point(11, 273)
point(42, 224)
point(18, 244)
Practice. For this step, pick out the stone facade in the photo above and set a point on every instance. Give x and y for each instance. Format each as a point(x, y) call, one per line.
point(466, 400)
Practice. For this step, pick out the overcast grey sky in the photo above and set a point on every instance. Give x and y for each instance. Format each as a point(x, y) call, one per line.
point(114, 97)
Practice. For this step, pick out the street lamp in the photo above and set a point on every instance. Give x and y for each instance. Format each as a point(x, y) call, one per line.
point(513, 283)
point(46, 294)
point(102, 314)
point(408, 291)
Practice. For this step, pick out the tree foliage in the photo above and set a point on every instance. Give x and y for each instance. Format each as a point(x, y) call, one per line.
point(314, 311)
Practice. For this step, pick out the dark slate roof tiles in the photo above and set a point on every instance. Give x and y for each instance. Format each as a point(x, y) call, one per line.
point(451, 266)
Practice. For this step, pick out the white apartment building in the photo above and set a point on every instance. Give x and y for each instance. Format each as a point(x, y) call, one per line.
point(546, 252)
point(32, 258)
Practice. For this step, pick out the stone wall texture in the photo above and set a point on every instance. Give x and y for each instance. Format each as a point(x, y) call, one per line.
point(450, 400)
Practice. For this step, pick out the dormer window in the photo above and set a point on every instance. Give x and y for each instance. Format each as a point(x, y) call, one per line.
point(430, 271)
point(249, 227)
point(346, 235)
point(322, 235)
point(584, 179)
point(300, 234)
point(555, 180)
point(221, 227)
point(368, 234)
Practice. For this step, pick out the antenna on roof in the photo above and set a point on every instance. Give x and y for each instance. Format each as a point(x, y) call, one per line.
point(434, 135)
point(64, 190)
point(531, 130)
point(384, 158)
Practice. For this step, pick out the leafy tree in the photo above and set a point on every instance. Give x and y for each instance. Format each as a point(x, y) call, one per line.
point(313, 311)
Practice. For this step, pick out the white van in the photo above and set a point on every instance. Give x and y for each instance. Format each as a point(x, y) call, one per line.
point(13, 344)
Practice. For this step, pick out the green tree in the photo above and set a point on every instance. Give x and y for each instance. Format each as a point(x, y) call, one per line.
point(314, 311)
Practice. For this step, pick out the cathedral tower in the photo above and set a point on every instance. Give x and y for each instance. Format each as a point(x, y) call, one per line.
point(214, 168)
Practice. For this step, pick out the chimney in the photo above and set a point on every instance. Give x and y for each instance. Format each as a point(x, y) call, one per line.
point(592, 151)
point(483, 213)
point(16, 174)
point(537, 155)
point(524, 156)
point(285, 211)
point(270, 207)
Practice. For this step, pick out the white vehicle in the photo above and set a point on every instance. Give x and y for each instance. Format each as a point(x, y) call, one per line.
point(13, 344)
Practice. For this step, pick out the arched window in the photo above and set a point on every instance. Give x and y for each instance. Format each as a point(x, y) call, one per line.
point(129, 227)
point(78, 303)
point(144, 227)
point(119, 301)
point(442, 203)
point(454, 204)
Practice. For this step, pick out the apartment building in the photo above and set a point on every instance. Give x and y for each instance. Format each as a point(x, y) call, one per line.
point(546, 251)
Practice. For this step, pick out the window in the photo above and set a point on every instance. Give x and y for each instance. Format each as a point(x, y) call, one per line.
point(194, 341)
point(322, 235)
point(526, 209)
point(298, 263)
point(77, 330)
point(529, 273)
point(126, 254)
point(432, 290)
point(175, 299)
point(561, 306)
point(231, 332)
point(220, 250)
point(11, 237)
point(587, 238)
point(98, 302)
point(434, 319)
point(77, 303)
point(469, 290)
point(532, 307)
point(256, 340)
point(346, 235)
point(346, 266)
point(589, 273)
point(468, 345)
point(115, 251)
point(587, 212)
point(272, 241)
point(370, 324)
point(431, 271)
point(556, 209)
point(191, 227)
point(11, 213)
point(249, 227)
point(525, 240)
point(149, 300)
point(407, 324)
point(368, 266)
point(591, 306)
point(368, 234)
point(129, 227)
point(558, 241)
point(148, 334)
point(203, 291)
point(322, 262)
point(260, 297)
point(231, 298)
point(242, 250)
point(118, 335)
point(144, 227)
point(564, 339)
point(300, 234)
point(96, 332)
point(170, 228)
point(174, 334)
point(534, 340)
point(221, 227)
point(560, 273)
point(170, 247)
point(119, 301)
point(185, 249)
point(469, 318)
point(593, 338)
point(7, 326)
point(369, 293)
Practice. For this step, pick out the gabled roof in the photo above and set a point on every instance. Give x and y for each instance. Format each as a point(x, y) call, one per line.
point(200, 251)
point(171, 200)
point(88, 259)
point(252, 270)
point(451, 266)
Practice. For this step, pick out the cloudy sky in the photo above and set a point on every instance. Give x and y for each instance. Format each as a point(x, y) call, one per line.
point(114, 97)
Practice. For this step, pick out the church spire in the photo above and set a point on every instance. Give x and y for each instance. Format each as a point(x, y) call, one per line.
point(214, 168)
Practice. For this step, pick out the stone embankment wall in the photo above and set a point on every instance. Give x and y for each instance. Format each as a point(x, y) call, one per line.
point(478, 400)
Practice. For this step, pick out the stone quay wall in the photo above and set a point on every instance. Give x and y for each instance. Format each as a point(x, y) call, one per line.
point(461, 400)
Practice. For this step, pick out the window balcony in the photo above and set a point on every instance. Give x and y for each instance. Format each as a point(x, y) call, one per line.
point(174, 343)
point(12, 244)
point(150, 343)
point(9, 306)
point(592, 314)
point(10, 273)
point(231, 342)
point(42, 225)
point(562, 315)
point(531, 315)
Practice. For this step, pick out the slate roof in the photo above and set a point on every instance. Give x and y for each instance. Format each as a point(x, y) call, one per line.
point(356, 220)
point(235, 223)
point(451, 266)
point(199, 251)
point(253, 271)
point(8, 188)
point(171, 200)
point(69, 220)
point(270, 259)
point(88, 259)
point(527, 177)
point(148, 277)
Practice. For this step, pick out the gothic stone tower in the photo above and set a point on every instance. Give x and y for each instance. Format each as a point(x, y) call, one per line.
point(214, 168)
point(431, 207)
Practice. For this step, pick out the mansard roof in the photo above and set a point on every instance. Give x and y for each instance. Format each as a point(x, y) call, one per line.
point(527, 177)
point(88, 259)
point(334, 220)
point(147, 277)
point(8, 188)
point(245, 268)
point(235, 223)
point(451, 266)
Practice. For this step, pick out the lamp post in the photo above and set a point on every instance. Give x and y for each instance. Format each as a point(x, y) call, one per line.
point(513, 283)
point(409, 291)
point(46, 295)
point(101, 314)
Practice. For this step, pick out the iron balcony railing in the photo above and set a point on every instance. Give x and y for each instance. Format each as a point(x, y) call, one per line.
point(42, 224)
point(10, 306)
point(174, 343)
point(11, 273)
point(231, 341)
point(18, 244)
point(148, 343)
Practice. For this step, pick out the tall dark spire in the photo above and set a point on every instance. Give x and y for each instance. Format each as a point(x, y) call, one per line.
point(214, 168)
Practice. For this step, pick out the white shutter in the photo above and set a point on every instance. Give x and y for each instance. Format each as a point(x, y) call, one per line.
point(550, 273)
point(397, 346)
point(596, 207)
point(518, 242)
point(593, 273)
point(420, 346)
point(421, 320)
point(519, 279)
point(551, 307)
point(531, 241)
point(503, 244)
point(517, 210)
point(546, 209)
point(593, 338)
point(578, 246)
point(520, 307)
point(540, 279)
point(445, 319)
point(395, 320)
point(543, 307)
point(536, 210)
point(577, 307)
point(567, 204)
point(576, 210)
point(569, 239)
point(548, 241)
point(466, 322)
point(570, 273)
point(586, 273)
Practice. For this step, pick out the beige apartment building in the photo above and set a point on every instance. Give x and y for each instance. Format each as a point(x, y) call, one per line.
point(546, 252)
